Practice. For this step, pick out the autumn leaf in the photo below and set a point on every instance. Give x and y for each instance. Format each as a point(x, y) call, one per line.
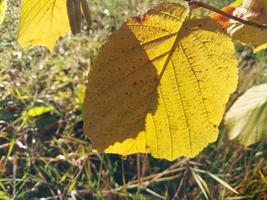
point(224, 21)
point(42, 22)
point(255, 11)
point(160, 85)
point(2, 10)
point(246, 120)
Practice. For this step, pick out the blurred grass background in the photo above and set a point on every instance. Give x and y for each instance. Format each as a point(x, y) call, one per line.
point(44, 154)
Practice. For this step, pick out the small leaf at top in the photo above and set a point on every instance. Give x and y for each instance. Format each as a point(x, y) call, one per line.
point(224, 21)
point(160, 85)
point(42, 22)
point(255, 11)
point(246, 120)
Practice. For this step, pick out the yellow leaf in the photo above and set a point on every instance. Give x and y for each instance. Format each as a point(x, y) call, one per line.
point(246, 120)
point(37, 111)
point(260, 47)
point(42, 22)
point(4, 196)
point(251, 10)
point(2, 10)
point(160, 85)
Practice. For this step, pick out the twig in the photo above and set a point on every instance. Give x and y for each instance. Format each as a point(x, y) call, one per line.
point(14, 174)
point(196, 3)
point(123, 175)
point(145, 182)
point(138, 171)
point(154, 193)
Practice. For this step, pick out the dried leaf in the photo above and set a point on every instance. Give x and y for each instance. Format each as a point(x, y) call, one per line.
point(224, 21)
point(246, 120)
point(255, 11)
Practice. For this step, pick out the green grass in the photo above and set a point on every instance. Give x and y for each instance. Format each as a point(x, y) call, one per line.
point(47, 156)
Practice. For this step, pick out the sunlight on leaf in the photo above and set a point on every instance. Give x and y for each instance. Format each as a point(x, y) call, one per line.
point(251, 10)
point(36, 112)
point(42, 22)
point(246, 120)
point(3, 196)
point(80, 94)
point(160, 85)
point(2, 10)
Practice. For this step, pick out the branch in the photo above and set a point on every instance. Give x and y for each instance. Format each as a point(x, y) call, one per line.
point(196, 3)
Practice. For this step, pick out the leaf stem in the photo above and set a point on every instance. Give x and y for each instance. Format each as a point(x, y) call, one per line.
point(196, 3)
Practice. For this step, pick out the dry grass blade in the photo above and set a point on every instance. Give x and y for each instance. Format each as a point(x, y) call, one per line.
point(153, 193)
point(216, 178)
point(205, 185)
point(200, 184)
point(156, 178)
point(264, 179)
point(226, 185)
